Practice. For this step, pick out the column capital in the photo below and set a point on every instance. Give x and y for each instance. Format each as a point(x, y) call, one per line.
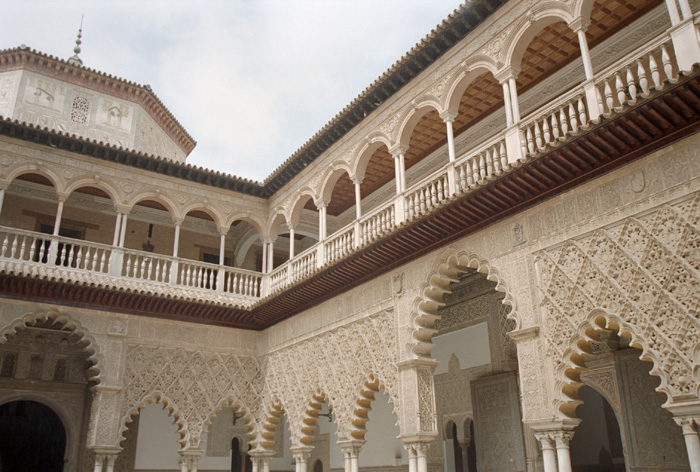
point(398, 151)
point(448, 117)
point(62, 196)
point(291, 226)
point(357, 180)
point(415, 439)
point(223, 230)
point(689, 424)
point(351, 446)
point(507, 73)
point(562, 438)
point(301, 453)
point(320, 203)
point(123, 209)
point(178, 220)
point(579, 24)
point(417, 363)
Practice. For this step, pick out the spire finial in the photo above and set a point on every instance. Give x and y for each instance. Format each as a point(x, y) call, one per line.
point(75, 59)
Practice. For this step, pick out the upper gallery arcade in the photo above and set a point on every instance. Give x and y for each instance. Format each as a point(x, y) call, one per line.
point(426, 183)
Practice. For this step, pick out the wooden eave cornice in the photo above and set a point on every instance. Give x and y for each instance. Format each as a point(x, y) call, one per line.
point(23, 58)
point(649, 125)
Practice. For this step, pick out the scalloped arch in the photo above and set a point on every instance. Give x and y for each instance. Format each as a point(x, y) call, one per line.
point(263, 435)
point(365, 396)
point(238, 406)
point(310, 417)
point(445, 271)
point(67, 321)
point(157, 397)
point(566, 385)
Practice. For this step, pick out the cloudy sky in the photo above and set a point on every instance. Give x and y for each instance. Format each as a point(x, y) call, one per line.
point(250, 80)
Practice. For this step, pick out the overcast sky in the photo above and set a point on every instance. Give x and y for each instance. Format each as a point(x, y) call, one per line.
point(250, 80)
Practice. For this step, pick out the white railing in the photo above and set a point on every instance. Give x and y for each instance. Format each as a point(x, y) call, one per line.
point(549, 127)
point(635, 76)
point(242, 282)
point(339, 245)
point(197, 274)
point(146, 266)
point(428, 194)
point(26, 246)
point(377, 224)
point(304, 264)
point(484, 164)
point(279, 278)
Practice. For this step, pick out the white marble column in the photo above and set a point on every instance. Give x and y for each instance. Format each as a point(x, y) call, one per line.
point(562, 439)
point(122, 235)
point(449, 118)
point(117, 228)
point(412, 466)
point(264, 256)
point(111, 459)
point(579, 26)
point(176, 240)
point(692, 441)
point(271, 255)
point(358, 197)
point(400, 169)
point(99, 462)
point(351, 453)
point(301, 457)
point(265, 461)
point(291, 240)
point(506, 103)
point(673, 12)
point(422, 457)
point(513, 135)
point(2, 198)
point(59, 215)
point(514, 97)
point(549, 457)
point(322, 207)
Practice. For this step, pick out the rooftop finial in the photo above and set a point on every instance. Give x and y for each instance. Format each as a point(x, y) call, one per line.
point(75, 60)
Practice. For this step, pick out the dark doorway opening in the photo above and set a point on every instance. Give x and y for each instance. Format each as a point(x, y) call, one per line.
point(32, 437)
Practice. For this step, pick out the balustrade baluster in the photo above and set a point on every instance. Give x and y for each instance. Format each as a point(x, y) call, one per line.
point(530, 141)
point(482, 166)
point(609, 97)
point(32, 248)
point(631, 86)
point(572, 118)
point(504, 156)
point(564, 120)
point(546, 135)
point(22, 247)
point(62, 255)
point(655, 74)
point(555, 126)
point(668, 66)
point(582, 112)
point(5, 244)
point(642, 75)
point(620, 89)
point(78, 257)
point(489, 156)
point(538, 135)
point(601, 106)
point(13, 251)
point(103, 261)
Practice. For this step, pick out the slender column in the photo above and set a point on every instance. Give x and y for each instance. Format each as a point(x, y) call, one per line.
point(692, 441)
point(222, 244)
point(322, 207)
point(255, 461)
point(579, 26)
point(351, 452)
point(563, 456)
point(2, 198)
point(99, 462)
point(673, 12)
point(412, 459)
point(685, 9)
point(265, 464)
point(122, 236)
point(59, 214)
point(301, 456)
point(358, 197)
point(264, 256)
point(514, 98)
point(111, 459)
point(117, 225)
point(549, 457)
point(291, 241)
point(399, 154)
point(422, 457)
point(176, 241)
point(194, 463)
point(449, 118)
point(506, 101)
point(184, 463)
point(271, 255)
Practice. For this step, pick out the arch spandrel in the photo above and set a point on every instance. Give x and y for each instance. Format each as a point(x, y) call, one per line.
point(637, 277)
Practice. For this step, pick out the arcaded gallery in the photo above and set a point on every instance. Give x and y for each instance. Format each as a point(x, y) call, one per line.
point(488, 261)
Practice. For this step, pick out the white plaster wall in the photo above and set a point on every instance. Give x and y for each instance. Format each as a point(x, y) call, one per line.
point(156, 446)
point(470, 345)
point(382, 447)
point(212, 463)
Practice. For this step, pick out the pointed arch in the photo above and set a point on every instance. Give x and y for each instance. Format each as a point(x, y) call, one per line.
point(445, 271)
point(542, 16)
point(68, 322)
point(262, 437)
point(474, 68)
